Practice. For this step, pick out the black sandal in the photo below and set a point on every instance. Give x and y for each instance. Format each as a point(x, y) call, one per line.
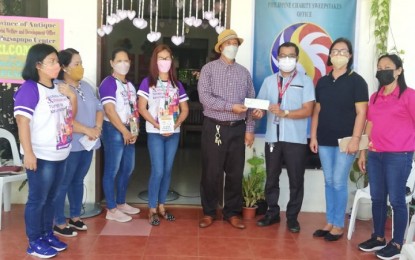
point(153, 219)
point(167, 215)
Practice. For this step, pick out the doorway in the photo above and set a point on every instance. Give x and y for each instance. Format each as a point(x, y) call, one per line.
point(196, 51)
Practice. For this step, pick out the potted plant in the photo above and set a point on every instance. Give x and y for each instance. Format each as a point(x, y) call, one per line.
point(253, 186)
point(362, 181)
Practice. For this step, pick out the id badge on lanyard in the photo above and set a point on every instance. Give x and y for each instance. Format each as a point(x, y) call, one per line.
point(132, 118)
point(281, 92)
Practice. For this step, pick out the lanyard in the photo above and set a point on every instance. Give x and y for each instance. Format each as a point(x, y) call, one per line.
point(167, 89)
point(132, 108)
point(281, 91)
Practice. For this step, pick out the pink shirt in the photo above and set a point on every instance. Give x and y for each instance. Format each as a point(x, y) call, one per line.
point(393, 121)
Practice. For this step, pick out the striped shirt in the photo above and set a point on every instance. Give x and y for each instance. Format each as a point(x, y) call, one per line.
point(222, 85)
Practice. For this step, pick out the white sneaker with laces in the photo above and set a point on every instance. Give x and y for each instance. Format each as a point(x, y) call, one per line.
point(118, 216)
point(127, 209)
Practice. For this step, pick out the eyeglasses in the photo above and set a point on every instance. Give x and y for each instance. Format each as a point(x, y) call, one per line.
point(283, 56)
point(342, 52)
point(49, 62)
point(165, 58)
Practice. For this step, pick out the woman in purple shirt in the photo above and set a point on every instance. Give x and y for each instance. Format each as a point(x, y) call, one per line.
point(163, 104)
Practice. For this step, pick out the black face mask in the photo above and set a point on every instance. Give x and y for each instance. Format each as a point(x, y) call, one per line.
point(385, 77)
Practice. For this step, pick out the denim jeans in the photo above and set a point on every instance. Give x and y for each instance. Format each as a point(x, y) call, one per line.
point(77, 166)
point(119, 160)
point(43, 186)
point(336, 168)
point(388, 173)
point(162, 151)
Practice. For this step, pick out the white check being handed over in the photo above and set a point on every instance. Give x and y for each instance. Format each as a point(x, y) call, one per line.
point(256, 103)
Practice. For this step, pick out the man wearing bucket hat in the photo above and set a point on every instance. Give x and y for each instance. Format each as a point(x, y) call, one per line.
point(227, 127)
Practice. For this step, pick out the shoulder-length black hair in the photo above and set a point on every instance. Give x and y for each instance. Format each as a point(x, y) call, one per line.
point(349, 47)
point(36, 54)
point(401, 78)
point(65, 58)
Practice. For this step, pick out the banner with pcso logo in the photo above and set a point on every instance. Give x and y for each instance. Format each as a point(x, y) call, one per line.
point(17, 35)
point(311, 24)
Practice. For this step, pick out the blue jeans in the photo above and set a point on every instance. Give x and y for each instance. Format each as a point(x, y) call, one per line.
point(336, 169)
point(388, 173)
point(77, 166)
point(43, 186)
point(119, 160)
point(162, 151)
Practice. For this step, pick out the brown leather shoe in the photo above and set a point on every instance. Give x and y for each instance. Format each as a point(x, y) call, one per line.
point(205, 221)
point(236, 222)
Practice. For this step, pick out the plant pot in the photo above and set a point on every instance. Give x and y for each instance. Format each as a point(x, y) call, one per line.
point(249, 213)
point(364, 212)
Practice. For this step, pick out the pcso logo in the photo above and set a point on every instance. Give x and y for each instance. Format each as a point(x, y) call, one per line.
point(314, 44)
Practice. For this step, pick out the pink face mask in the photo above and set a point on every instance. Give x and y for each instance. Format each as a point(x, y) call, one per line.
point(164, 65)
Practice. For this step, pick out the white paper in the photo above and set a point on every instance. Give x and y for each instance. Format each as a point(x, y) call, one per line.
point(363, 143)
point(257, 103)
point(166, 124)
point(86, 143)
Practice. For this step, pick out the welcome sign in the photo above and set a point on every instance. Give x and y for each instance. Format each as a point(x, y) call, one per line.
point(17, 35)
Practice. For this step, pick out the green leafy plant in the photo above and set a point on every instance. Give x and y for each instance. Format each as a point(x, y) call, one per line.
point(379, 10)
point(253, 182)
point(356, 175)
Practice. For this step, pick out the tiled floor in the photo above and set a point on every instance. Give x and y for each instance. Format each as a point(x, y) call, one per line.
point(183, 239)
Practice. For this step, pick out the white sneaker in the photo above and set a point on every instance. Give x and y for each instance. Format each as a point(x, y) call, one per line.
point(117, 216)
point(125, 208)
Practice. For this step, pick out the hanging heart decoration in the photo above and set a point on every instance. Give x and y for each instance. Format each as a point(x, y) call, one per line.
point(131, 12)
point(209, 14)
point(219, 29)
point(197, 22)
point(176, 39)
point(190, 19)
point(100, 31)
point(214, 22)
point(107, 28)
point(139, 22)
point(154, 35)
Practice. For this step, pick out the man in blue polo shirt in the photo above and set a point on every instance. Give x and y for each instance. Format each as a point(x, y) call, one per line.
point(291, 95)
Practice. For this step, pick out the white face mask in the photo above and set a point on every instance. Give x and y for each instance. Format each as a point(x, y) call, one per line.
point(230, 51)
point(287, 64)
point(122, 67)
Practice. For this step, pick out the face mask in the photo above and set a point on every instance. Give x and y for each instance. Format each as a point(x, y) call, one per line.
point(287, 64)
point(164, 65)
point(230, 51)
point(121, 68)
point(385, 77)
point(51, 71)
point(76, 73)
point(339, 61)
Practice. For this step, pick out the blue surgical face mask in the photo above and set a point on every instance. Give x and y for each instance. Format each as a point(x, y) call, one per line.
point(230, 51)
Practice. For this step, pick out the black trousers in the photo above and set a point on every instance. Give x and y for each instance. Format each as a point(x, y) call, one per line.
point(228, 158)
point(294, 156)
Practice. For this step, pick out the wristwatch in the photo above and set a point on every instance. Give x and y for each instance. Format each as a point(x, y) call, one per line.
point(286, 112)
